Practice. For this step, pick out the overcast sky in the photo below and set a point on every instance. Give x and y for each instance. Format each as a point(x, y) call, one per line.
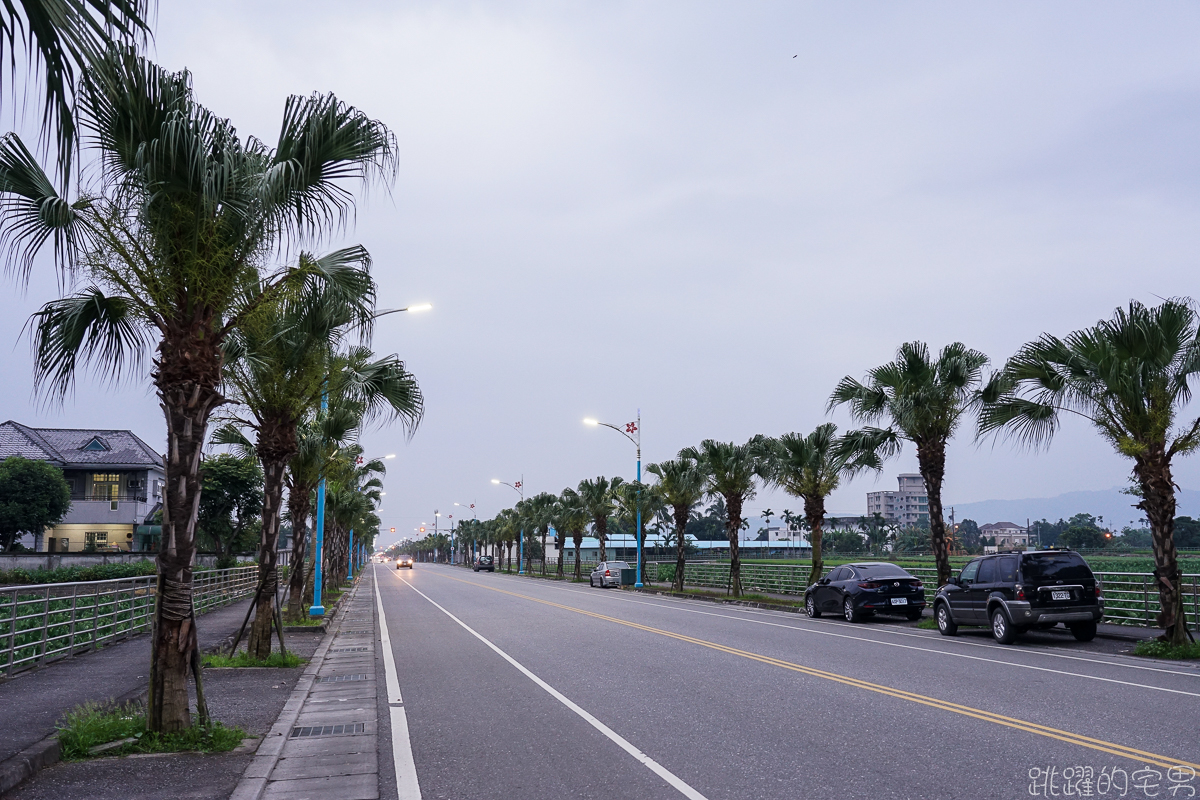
point(712, 212)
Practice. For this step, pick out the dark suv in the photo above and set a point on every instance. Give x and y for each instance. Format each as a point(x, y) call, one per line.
point(484, 562)
point(1014, 592)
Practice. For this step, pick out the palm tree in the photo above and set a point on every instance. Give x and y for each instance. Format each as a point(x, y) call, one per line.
point(923, 401)
point(574, 517)
point(810, 468)
point(598, 497)
point(681, 483)
point(731, 472)
point(173, 241)
point(63, 37)
point(541, 517)
point(1130, 377)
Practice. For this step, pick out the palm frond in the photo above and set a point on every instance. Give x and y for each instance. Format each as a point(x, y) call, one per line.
point(88, 327)
point(32, 211)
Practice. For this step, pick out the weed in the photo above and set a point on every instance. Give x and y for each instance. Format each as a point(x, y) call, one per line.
point(1156, 649)
point(90, 725)
point(243, 659)
point(928, 624)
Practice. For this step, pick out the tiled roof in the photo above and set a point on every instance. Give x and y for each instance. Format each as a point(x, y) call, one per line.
point(65, 446)
point(991, 526)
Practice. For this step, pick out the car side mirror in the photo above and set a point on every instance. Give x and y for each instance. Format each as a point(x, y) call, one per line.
point(955, 580)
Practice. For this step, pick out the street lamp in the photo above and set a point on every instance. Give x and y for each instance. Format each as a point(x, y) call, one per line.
point(473, 516)
point(629, 431)
point(318, 610)
point(519, 488)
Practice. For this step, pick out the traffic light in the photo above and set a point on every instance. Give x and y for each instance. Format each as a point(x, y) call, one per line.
point(422, 530)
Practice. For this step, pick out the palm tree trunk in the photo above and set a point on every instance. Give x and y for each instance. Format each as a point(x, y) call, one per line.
point(814, 514)
point(299, 500)
point(187, 374)
point(578, 540)
point(602, 536)
point(681, 516)
point(931, 459)
point(1153, 471)
point(276, 446)
point(733, 524)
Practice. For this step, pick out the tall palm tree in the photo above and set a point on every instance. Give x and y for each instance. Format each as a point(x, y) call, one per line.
point(541, 517)
point(574, 517)
point(810, 468)
point(62, 37)
point(681, 482)
point(173, 242)
point(731, 472)
point(1130, 377)
point(923, 401)
point(599, 497)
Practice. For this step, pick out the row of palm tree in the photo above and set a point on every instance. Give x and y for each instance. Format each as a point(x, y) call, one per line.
point(169, 255)
point(1129, 376)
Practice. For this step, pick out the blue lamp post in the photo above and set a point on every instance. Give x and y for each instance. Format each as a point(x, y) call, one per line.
point(519, 488)
point(631, 430)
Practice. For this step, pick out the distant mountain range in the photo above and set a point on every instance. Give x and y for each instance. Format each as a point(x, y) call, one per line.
point(1116, 508)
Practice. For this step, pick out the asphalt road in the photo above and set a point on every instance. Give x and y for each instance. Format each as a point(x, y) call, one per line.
point(591, 693)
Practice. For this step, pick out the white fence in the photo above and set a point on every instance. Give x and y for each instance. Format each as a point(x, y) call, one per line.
point(40, 623)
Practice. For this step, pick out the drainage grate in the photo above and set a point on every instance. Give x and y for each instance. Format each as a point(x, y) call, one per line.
point(353, 633)
point(341, 678)
point(329, 730)
point(350, 650)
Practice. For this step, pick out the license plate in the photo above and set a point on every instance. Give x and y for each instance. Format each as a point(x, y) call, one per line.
point(1060, 595)
point(899, 601)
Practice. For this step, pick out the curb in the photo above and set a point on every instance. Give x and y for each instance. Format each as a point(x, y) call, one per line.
point(254, 779)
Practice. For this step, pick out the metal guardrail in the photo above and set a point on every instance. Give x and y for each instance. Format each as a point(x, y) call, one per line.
point(1130, 598)
point(44, 622)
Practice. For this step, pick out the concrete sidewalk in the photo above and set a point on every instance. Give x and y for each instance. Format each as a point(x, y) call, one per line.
point(35, 699)
point(325, 741)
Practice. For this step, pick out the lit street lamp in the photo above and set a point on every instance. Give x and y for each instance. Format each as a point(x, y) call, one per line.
point(519, 488)
point(629, 431)
point(460, 505)
point(318, 610)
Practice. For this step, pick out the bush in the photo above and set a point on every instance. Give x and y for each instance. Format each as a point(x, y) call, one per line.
point(243, 659)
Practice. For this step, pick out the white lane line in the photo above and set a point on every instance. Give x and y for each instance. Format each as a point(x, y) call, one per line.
point(658, 769)
point(407, 787)
point(931, 650)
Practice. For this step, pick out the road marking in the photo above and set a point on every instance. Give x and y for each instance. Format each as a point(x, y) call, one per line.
point(658, 769)
point(675, 604)
point(407, 787)
point(987, 716)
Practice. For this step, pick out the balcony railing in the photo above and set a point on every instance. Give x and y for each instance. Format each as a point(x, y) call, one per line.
point(96, 497)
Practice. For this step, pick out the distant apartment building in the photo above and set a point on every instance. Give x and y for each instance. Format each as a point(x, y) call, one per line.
point(1006, 534)
point(908, 505)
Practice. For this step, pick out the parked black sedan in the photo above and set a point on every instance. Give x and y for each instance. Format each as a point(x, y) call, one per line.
point(859, 590)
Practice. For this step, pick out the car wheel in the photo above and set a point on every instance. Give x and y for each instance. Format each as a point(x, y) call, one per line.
point(914, 615)
point(946, 624)
point(849, 612)
point(1002, 630)
point(810, 607)
point(1084, 631)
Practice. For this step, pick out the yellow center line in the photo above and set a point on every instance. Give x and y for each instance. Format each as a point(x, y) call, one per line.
point(933, 702)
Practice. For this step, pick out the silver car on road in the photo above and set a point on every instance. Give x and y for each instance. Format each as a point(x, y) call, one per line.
point(608, 573)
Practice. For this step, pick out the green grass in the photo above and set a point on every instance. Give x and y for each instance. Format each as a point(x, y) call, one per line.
point(1156, 649)
point(243, 659)
point(307, 621)
point(928, 624)
point(90, 725)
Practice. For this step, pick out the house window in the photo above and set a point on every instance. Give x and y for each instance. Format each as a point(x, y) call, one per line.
point(95, 538)
point(105, 486)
